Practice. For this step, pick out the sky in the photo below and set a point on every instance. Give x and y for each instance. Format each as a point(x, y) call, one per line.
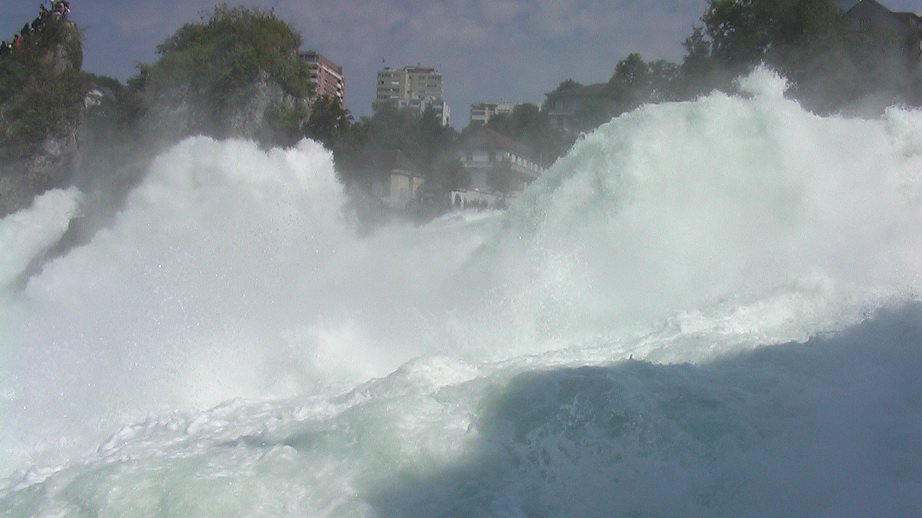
point(487, 50)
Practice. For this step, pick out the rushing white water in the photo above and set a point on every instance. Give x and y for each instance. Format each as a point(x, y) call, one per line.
point(705, 308)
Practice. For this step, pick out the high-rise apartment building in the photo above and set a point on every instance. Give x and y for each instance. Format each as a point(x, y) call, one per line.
point(416, 88)
point(327, 76)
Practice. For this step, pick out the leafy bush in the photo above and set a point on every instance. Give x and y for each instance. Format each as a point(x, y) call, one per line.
point(222, 57)
point(42, 89)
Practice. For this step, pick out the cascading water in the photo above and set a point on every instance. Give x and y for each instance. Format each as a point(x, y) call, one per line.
point(705, 308)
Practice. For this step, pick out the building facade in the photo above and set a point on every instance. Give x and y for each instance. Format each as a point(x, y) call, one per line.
point(327, 76)
point(389, 176)
point(870, 16)
point(498, 168)
point(482, 112)
point(415, 88)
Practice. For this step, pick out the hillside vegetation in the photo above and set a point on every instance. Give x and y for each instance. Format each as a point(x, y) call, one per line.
point(41, 108)
point(236, 73)
point(42, 89)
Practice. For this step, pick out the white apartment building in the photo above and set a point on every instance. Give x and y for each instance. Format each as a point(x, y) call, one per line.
point(416, 88)
point(482, 112)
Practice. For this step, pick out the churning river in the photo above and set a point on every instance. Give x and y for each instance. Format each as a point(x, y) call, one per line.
point(706, 308)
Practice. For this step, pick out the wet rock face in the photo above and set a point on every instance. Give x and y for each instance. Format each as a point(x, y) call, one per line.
point(248, 121)
point(49, 167)
point(180, 111)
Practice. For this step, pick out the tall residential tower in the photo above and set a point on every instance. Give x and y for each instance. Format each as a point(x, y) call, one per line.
point(415, 88)
point(326, 75)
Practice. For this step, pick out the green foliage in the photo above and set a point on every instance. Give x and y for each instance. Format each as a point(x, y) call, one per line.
point(449, 173)
point(531, 126)
point(433, 137)
point(663, 78)
point(229, 49)
point(285, 123)
point(329, 122)
point(630, 85)
point(567, 85)
point(42, 89)
point(699, 71)
point(390, 128)
point(733, 29)
point(632, 72)
point(597, 110)
point(744, 32)
point(830, 64)
point(222, 57)
point(420, 136)
point(636, 82)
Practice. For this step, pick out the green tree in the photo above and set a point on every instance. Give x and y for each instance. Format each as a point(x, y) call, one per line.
point(433, 137)
point(421, 137)
point(629, 86)
point(699, 70)
point(745, 32)
point(448, 173)
point(632, 72)
point(567, 85)
point(531, 126)
point(41, 89)
point(733, 29)
point(664, 76)
point(597, 110)
point(830, 64)
point(220, 60)
point(329, 122)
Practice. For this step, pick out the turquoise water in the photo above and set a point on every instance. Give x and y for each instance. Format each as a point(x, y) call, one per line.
point(706, 308)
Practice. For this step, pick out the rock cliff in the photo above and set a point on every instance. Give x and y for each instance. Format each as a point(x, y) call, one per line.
point(43, 95)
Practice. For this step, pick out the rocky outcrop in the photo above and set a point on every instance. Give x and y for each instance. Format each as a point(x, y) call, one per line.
point(41, 114)
point(237, 74)
point(249, 120)
point(48, 167)
point(179, 111)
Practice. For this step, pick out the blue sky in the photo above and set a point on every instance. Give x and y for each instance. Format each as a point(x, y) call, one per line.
point(490, 50)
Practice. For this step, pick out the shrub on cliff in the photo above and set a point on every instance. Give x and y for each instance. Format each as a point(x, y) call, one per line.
point(41, 89)
point(219, 63)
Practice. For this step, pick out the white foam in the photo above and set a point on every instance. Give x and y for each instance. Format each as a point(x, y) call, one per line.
point(763, 82)
point(482, 353)
point(27, 234)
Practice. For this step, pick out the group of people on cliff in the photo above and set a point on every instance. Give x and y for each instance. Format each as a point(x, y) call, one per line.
point(59, 9)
